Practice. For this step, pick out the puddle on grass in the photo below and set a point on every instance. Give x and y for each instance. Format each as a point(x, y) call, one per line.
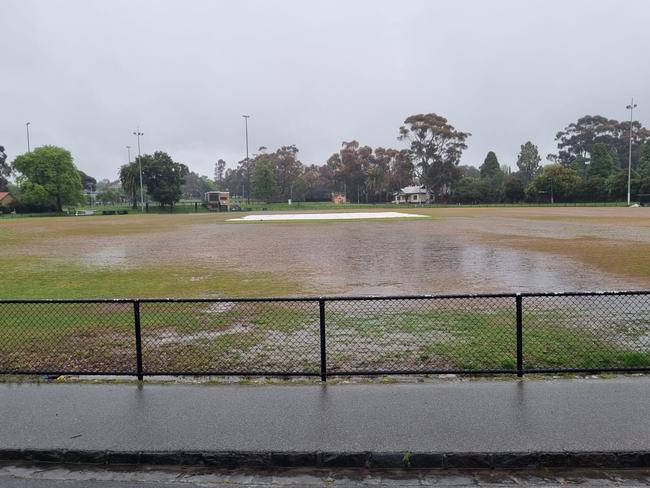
point(164, 337)
point(108, 256)
point(369, 258)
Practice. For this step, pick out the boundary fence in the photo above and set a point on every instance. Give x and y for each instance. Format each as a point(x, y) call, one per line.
point(515, 334)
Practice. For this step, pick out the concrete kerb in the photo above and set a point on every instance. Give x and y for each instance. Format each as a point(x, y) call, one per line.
point(370, 460)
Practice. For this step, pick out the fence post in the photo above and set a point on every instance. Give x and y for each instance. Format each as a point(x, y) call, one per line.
point(323, 347)
point(138, 339)
point(520, 336)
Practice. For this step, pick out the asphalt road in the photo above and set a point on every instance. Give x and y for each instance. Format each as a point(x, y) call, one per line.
point(468, 416)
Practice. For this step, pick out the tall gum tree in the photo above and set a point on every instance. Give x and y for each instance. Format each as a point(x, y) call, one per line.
point(5, 169)
point(578, 138)
point(435, 147)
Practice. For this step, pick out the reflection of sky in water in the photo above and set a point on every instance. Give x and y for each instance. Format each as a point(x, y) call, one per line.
point(364, 257)
point(458, 267)
point(422, 264)
point(109, 256)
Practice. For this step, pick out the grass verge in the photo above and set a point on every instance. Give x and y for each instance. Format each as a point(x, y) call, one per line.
point(35, 278)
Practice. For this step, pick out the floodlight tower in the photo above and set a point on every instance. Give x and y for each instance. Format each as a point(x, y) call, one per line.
point(138, 134)
point(248, 166)
point(631, 108)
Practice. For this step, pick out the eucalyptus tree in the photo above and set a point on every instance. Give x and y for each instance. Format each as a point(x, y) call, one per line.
point(5, 169)
point(578, 138)
point(435, 147)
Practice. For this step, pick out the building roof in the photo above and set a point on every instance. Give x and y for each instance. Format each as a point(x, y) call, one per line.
point(412, 190)
point(4, 194)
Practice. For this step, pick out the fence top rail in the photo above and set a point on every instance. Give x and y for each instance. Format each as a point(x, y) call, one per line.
point(586, 293)
point(332, 298)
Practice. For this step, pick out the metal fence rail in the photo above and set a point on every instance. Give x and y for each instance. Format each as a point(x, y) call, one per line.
point(421, 334)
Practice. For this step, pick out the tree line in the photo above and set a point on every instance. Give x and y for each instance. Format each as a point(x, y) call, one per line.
point(590, 165)
point(47, 180)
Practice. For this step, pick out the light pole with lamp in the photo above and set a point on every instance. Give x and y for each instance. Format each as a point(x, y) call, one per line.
point(248, 166)
point(138, 134)
point(631, 108)
point(128, 160)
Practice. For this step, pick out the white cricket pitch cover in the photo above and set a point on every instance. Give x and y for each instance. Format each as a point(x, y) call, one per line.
point(327, 216)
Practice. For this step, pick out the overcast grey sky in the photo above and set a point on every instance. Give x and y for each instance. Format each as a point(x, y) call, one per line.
point(86, 73)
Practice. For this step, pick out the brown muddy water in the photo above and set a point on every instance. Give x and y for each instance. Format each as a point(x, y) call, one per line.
point(452, 255)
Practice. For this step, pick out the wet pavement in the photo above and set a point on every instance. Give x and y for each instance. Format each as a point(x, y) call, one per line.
point(438, 417)
point(41, 476)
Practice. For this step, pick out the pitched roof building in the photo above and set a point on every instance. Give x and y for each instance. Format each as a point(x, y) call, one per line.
point(412, 194)
point(6, 199)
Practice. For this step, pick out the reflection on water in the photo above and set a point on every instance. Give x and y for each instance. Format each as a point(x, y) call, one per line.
point(442, 264)
point(362, 257)
point(114, 255)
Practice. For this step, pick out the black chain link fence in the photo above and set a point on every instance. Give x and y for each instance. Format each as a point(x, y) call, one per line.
point(507, 333)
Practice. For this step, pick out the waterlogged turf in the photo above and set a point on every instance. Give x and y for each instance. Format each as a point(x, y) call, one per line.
point(454, 250)
point(412, 335)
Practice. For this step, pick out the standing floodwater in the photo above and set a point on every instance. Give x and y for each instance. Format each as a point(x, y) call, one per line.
point(451, 251)
point(366, 257)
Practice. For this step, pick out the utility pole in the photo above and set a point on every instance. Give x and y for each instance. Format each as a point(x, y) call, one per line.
point(248, 166)
point(128, 154)
point(631, 108)
point(27, 126)
point(552, 195)
point(138, 134)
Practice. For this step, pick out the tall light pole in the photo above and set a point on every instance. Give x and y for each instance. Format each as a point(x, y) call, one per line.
point(248, 166)
point(128, 154)
point(138, 134)
point(27, 126)
point(631, 108)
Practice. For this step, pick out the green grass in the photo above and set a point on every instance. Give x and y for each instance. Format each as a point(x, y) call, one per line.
point(259, 336)
point(46, 278)
point(482, 340)
point(176, 336)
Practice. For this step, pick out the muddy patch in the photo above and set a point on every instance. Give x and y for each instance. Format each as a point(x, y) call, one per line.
point(165, 337)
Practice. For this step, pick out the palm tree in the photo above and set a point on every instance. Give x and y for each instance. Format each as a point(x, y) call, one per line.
point(374, 179)
point(130, 179)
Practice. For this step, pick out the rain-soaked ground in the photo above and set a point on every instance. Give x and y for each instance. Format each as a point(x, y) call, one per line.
point(457, 251)
point(433, 256)
point(475, 250)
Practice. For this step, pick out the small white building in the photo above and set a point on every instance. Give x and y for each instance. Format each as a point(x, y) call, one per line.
point(412, 194)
